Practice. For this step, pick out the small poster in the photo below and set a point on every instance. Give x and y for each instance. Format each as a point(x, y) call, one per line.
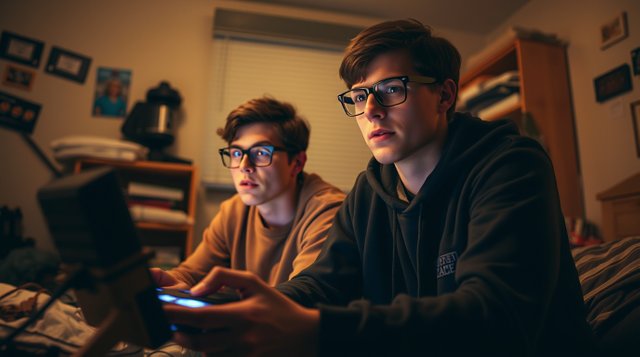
point(18, 77)
point(613, 83)
point(17, 113)
point(20, 49)
point(69, 65)
point(112, 92)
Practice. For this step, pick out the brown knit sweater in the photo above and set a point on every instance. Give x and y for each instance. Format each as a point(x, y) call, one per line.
point(238, 238)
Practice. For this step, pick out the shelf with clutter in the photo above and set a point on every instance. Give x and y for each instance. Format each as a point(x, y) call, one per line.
point(524, 77)
point(161, 198)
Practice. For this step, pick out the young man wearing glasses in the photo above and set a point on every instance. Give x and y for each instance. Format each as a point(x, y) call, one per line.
point(277, 222)
point(452, 242)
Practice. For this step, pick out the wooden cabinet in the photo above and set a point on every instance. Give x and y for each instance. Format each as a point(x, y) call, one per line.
point(621, 209)
point(545, 97)
point(170, 175)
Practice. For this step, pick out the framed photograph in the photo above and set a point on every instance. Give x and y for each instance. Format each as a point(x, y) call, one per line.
point(20, 49)
point(635, 117)
point(17, 113)
point(635, 61)
point(112, 92)
point(613, 31)
point(613, 83)
point(17, 77)
point(67, 64)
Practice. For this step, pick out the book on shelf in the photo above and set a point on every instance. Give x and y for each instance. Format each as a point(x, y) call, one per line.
point(154, 191)
point(158, 215)
point(484, 83)
point(154, 202)
point(500, 106)
point(492, 95)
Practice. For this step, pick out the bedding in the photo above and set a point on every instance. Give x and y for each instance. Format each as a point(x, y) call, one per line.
point(610, 277)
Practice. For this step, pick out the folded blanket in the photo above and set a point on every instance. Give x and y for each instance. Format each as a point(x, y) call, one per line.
point(76, 146)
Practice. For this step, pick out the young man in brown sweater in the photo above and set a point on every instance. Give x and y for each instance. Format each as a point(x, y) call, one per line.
point(277, 222)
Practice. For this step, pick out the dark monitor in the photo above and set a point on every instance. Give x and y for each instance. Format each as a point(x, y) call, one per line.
point(89, 221)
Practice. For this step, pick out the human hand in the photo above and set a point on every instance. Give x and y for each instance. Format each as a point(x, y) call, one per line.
point(263, 323)
point(166, 280)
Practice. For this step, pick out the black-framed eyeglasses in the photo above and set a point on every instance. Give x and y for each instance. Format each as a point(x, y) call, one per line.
point(259, 155)
point(388, 93)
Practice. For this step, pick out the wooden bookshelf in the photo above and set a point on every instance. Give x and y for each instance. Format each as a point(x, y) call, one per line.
point(545, 95)
point(180, 176)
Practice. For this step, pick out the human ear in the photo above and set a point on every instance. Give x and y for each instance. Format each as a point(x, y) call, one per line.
point(448, 92)
point(298, 162)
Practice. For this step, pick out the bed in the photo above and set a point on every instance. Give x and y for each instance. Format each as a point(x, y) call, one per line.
point(610, 272)
point(610, 278)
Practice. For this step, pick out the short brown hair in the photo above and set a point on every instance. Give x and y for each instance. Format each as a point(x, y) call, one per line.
point(291, 128)
point(432, 56)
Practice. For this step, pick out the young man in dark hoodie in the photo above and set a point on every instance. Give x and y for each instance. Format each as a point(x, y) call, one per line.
point(452, 242)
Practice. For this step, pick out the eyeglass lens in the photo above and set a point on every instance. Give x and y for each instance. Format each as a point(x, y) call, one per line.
point(258, 155)
point(388, 93)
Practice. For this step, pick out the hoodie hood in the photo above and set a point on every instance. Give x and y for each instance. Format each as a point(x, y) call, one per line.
point(468, 140)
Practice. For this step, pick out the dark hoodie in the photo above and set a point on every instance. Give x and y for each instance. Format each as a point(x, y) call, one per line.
point(477, 263)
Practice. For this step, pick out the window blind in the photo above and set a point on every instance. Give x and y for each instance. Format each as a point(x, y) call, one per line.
point(303, 76)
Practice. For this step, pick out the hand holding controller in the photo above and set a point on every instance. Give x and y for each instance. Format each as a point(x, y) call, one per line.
point(184, 298)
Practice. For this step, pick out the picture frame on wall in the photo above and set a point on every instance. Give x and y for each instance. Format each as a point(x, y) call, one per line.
point(635, 117)
point(112, 92)
point(613, 31)
point(613, 83)
point(635, 61)
point(17, 113)
point(67, 64)
point(18, 77)
point(20, 49)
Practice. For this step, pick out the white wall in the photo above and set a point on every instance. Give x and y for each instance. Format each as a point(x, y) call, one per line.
point(604, 130)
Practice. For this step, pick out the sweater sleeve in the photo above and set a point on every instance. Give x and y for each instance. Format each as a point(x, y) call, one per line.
point(213, 250)
point(506, 276)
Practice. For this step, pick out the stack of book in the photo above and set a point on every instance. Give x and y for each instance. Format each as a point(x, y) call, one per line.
point(155, 203)
point(488, 97)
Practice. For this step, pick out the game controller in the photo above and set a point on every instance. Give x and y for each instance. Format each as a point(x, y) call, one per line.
point(184, 298)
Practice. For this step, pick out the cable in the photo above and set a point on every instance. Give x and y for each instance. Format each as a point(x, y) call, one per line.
point(75, 276)
point(41, 155)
